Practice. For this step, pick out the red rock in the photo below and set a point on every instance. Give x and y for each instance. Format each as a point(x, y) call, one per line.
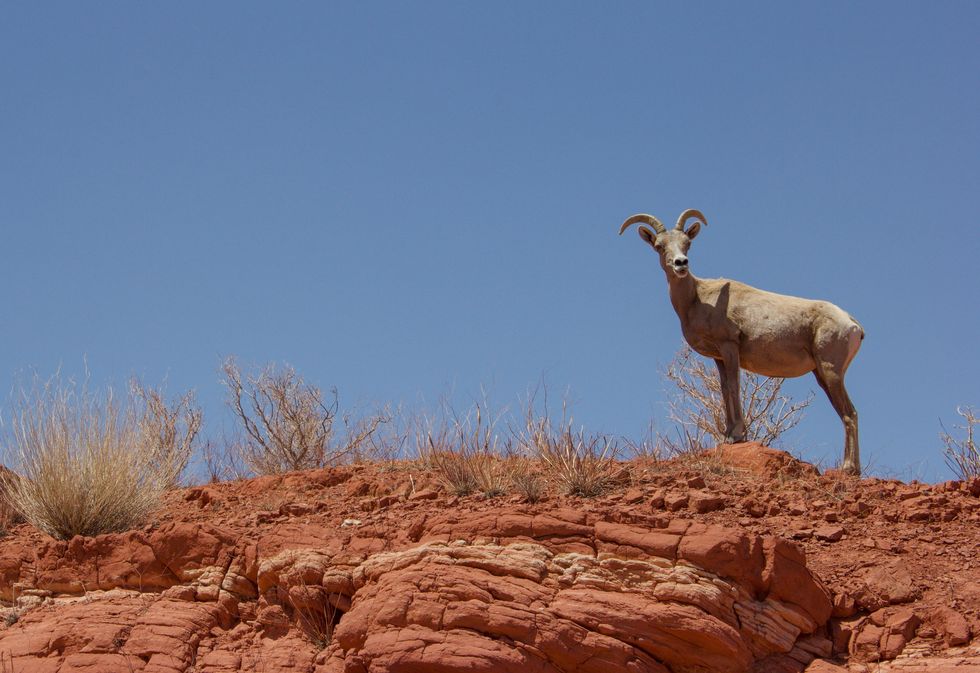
point(887, 585)
point(633, 541)
point(822, 666)
point(952, 625)
point(696, 482)
point(788, 579)
point(565, 585)
point(903, 621)
point(676, 500)
point(841, 632)
point(762, 460)
point(844, 605)
point(829, 533)
point(703, 501)
point(866, 642)
point(725, 551)
point(633, 496)
point(891, 645)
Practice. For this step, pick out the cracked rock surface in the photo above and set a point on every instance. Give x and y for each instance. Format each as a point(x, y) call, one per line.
point(376, 568)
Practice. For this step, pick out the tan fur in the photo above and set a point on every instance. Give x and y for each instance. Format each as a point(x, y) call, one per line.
point(771, 334)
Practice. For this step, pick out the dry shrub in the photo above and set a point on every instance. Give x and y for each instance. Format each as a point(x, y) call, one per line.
point(84, 465)
point(391, 444)
point(464, 451)
point(577, 462)
point(962, 454)
point(287, 424)
point(695, 405)
point(170, 428)
point(223, 460)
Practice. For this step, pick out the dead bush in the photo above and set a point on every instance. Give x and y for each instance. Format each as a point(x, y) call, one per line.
point(288, 425)
point(169, 428)
point(695, 405)
point(223, 460)
point(83, 464)
point(961, 453)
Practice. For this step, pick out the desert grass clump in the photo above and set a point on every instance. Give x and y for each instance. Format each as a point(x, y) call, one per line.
point(290, 425)
point(575, 461)
point(83, 464)
point(696, 406)
point(526, 479)
point(316, 612)
point(465, 451)
point(961, 453)
point(579, 463)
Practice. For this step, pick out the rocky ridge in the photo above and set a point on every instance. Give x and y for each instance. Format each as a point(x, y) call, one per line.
point(743, 560)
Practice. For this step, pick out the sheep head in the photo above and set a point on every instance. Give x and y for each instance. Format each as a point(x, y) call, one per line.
point(671, 244)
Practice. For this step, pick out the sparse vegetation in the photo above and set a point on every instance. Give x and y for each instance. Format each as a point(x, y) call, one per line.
point(649, 447)
point(9, 516)
point(574, 461)
point(695, 405)
point(526, 479)
point(961, 453)
point(464, 451)
point(84, 464)
point(316, 612)
point(223, 461)
point(289, 425)
point(169, 428)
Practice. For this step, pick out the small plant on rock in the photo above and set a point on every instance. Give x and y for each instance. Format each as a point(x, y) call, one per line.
point(961, 453)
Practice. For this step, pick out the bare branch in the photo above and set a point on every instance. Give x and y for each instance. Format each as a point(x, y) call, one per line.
point(696, 407)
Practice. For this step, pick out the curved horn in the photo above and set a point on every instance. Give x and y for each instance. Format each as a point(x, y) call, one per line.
point(688, 214)
point(646, 219)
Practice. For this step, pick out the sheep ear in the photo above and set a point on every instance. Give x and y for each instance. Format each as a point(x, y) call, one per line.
point(693, 230)
point(647, 235)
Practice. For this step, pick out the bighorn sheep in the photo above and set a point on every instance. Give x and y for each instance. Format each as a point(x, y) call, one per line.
point(771, 334)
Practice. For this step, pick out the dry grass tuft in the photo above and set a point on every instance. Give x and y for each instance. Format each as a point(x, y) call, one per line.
point(576, 462)
point(962, 454)
point(316, 612)
point(9, 516)
point(464, 452)
point(84, 465)
point(526, 480)
point(696, 405)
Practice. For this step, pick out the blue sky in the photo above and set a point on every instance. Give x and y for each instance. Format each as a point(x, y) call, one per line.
point(405, 200)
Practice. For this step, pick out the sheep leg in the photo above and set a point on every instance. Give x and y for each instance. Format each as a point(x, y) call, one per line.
point(728, 375)
point(831, 379)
